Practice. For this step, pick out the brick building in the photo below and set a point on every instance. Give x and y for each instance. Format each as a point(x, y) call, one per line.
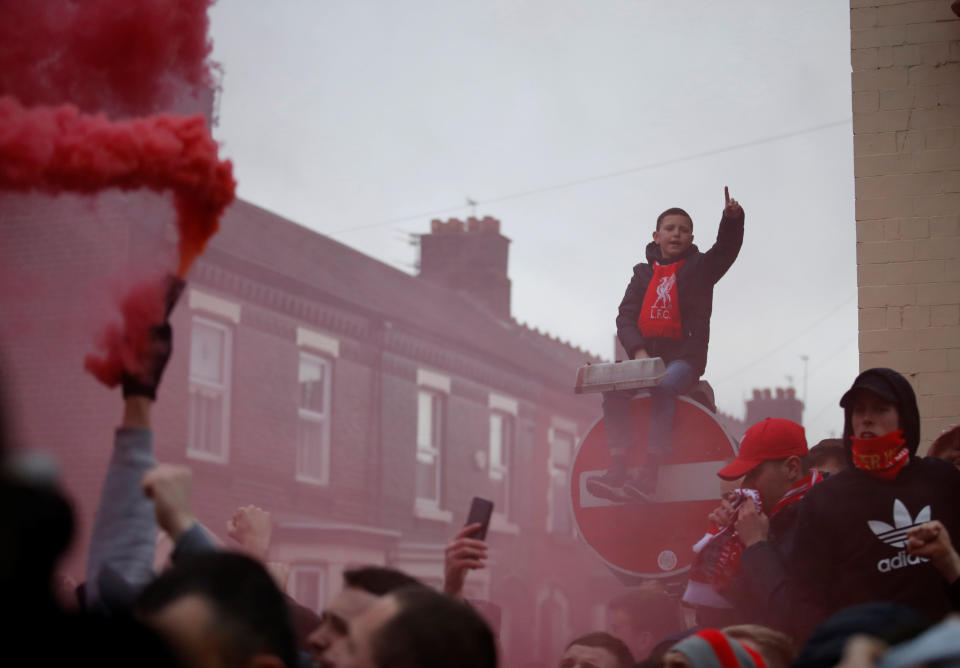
point(906, 121)
point(363, 406)
point(781, 402)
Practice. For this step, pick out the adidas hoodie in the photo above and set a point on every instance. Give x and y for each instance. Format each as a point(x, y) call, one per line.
point(850, 544)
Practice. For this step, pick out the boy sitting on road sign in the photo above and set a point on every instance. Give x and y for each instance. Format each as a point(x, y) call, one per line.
point(665, 313)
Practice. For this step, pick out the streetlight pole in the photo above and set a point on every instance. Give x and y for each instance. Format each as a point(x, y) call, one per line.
point(805, 360)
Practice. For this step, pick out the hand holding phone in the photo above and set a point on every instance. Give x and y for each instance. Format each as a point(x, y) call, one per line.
point(480, 512)
point(467, 551)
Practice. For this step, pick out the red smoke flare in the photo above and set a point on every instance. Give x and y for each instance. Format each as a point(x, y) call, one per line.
point(126, 59)
point(60, 149)
point(116, 56)
point(121, 344)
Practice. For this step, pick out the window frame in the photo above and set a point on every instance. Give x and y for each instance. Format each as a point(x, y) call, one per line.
point(499, 468)
point(311, 416)
point(320, 569)
point(224, 388)
point(560, 469)
point(431, 453)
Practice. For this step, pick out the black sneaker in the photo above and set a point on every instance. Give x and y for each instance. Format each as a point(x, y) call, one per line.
point(609, 485)
point(642, 486)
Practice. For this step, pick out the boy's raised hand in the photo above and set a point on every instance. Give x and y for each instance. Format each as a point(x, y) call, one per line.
point(731, 207)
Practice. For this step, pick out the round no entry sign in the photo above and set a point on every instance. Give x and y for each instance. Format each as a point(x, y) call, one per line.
point(653, 539)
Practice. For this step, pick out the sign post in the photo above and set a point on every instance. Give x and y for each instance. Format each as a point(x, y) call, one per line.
point(653, 540)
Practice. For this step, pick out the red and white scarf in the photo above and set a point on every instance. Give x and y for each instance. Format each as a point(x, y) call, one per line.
point(660, 312)
point(883, 456)
point(797, 492)
point(718, 552)
point(718, 557)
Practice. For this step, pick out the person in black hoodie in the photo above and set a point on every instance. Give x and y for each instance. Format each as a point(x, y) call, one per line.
point(861, 533)
point(665, 312)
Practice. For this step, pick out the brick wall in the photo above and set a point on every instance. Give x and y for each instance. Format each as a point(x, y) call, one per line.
point(906, 121)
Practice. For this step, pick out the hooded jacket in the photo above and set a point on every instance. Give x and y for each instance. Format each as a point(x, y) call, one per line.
point(893, 387)
point(695, 281)
point(850, 543)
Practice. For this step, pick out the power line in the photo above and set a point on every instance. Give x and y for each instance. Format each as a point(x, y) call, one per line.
point(823, 361)
point(593, 179)
point(786, 343)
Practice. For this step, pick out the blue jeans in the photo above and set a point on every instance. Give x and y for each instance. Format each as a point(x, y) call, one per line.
point(616, 411)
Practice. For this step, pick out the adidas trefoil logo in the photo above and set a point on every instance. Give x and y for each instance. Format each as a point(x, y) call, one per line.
point(896, 536)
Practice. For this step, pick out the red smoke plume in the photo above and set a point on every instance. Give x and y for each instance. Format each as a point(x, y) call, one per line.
point(126, 59)
point(116, 56)
point(60, 149)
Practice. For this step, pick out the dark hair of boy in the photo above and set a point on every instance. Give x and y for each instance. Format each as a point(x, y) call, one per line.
point(604, 640)
point(674, 211)
point(432, 630)
point(377, 580)
point(249, 614)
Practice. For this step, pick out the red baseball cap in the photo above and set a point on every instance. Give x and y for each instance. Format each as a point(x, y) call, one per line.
point(774, 438)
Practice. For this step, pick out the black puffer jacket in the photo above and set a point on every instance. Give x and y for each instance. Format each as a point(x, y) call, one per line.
point(695, 282)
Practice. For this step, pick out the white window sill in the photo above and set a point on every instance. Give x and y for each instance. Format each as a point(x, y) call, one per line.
point(428, 511)
point(316, 482)
point(206, 456)
point(503, 525)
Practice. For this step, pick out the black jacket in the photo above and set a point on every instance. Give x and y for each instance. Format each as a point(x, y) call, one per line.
point(695, 282)
point(850, 535)
point(759, 590)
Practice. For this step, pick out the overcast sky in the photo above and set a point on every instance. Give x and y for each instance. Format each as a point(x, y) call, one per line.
point(575, 124)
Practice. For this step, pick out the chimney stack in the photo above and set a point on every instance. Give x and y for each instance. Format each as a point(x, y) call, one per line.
point(779, 403)
point(471, 257)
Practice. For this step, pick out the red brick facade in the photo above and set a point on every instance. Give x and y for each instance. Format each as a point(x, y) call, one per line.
point(271, 309)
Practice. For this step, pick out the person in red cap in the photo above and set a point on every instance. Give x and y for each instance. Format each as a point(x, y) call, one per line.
point(771, 461)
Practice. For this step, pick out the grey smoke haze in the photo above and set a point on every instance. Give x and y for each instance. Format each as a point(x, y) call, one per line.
point(343, 116)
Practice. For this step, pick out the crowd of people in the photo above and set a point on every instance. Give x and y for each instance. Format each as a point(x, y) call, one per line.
point(846, 554)
point(844, 557)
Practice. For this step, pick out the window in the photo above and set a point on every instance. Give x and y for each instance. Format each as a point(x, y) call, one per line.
point(500, 458)
point(307, 586)
point(208, 424)
point(313, 427)
point(562, 442)
point(429, 446)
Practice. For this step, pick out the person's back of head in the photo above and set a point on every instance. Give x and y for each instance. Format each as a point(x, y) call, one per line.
point(432, 630)
point(377, 580)
point(617, 650)
point(828, 456)
point(642, 617)
point(947, 446)
point(228, 603)
point(777, 649)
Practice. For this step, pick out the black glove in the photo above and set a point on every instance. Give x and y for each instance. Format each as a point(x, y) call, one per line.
point(145, 383)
